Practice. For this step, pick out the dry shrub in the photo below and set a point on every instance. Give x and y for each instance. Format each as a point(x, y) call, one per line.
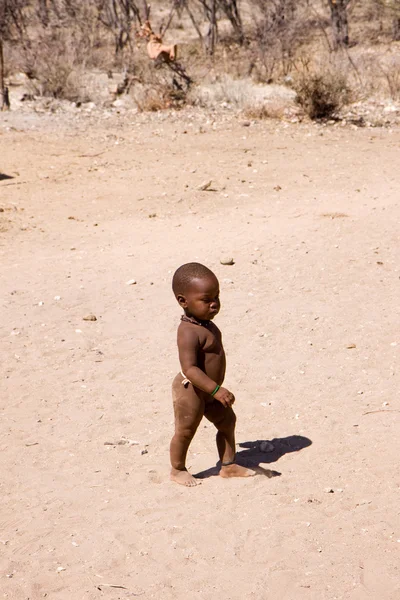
point(239, 93)
point(56, 66)
point(158, 96)
point(391, 74)
point(279, 32)
point(265, 111)
point(321, 94)
point(150, 100)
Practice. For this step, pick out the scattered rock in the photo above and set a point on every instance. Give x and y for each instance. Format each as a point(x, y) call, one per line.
point(122, 442)
point(205, 186)
point(227, 260)
point(351, 346)
point(145, 451)
point(59, 569)
point(90, 318)
point(131, 282)
point(329, 491)
point(57, 297)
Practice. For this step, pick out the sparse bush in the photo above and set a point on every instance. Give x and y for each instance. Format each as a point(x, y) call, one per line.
point(279, 27)
point(55, 65)
point(391, 73)
point(322, 94)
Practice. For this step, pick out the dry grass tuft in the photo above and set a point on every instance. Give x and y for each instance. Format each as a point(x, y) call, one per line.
point(334, 215)
point(265, 111)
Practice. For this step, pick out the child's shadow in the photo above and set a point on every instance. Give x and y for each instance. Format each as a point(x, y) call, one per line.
point(262, 452)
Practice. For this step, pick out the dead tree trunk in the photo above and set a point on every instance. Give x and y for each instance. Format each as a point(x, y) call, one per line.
point(340, 23)
point(396, 29)
point(231, 9)
point(213, 26)
point(4, 97)
point(44, 12)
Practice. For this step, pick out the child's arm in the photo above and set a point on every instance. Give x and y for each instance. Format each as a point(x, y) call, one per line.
point(188, 346)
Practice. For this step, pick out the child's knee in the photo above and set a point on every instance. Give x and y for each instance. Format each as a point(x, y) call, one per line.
point(228, 421)
point(186, 432)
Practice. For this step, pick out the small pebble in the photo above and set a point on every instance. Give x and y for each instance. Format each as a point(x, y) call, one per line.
point(329, 491)
point(90, 318)
point(205, 186)
point(227, 260)
point(131, 282)
point(57, 297)
point(144, 452)
point(59, 569)
point(351, 346)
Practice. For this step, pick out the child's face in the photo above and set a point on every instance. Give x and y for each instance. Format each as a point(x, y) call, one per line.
point(201, 299)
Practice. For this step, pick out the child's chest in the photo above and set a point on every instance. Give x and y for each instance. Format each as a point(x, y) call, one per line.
point(211, 342)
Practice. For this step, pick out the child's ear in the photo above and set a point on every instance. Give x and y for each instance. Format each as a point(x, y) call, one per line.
point(181, 301)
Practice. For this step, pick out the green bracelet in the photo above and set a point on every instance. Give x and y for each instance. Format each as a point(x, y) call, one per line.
point(215, 391)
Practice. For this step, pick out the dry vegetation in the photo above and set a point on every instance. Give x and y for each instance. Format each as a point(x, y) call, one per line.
point(329, 52)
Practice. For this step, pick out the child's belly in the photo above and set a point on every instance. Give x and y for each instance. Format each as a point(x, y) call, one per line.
point(215, 366)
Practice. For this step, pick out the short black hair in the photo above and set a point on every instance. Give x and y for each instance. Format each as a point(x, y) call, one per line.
point(185, 274)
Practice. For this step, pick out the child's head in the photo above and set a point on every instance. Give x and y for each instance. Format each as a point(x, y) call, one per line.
point(196, 289)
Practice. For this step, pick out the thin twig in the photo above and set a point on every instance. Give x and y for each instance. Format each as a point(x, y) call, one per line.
point(370, 412)
point(90, 155)
point(351, 61)
point(14, 183)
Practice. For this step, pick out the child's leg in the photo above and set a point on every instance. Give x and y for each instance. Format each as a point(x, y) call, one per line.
point(189, 410)
point(224, 420)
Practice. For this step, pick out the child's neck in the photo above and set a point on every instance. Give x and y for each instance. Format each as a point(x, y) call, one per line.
point(195, 321)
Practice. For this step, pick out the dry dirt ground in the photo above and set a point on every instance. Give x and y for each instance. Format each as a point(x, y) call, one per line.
point(311, 328)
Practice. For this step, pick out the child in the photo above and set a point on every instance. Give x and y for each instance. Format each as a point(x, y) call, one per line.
point(197, 390)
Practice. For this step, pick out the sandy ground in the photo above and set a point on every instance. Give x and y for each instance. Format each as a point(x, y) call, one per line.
point(311, 329)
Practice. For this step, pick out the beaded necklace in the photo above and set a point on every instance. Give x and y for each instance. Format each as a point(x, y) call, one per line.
point(195, 321)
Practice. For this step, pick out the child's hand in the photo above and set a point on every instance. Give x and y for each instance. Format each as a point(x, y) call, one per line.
point(225, 397)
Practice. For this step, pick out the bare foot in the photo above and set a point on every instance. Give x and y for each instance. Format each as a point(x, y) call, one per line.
point(235, 470)
point(183, 478)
